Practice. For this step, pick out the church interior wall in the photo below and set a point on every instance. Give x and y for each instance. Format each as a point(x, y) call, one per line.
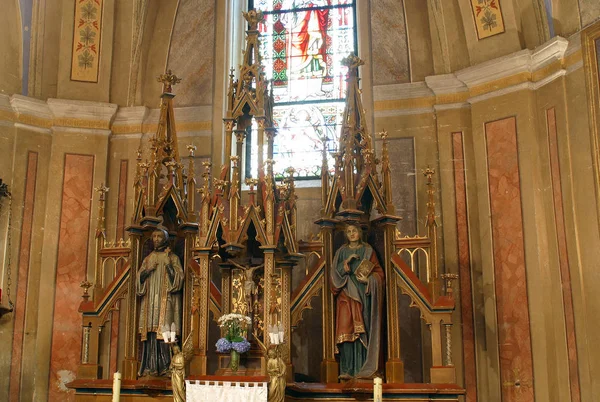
point(67, 88)
point(121, 52)
point(158, 31)
point(493, 46)
point(10, 67)
point(420, 53)
point(190, 34)
point(389, 57)
point(581, 225)
point(46, 42)
point(565, 17)
point(412, 94)
point(588, 11)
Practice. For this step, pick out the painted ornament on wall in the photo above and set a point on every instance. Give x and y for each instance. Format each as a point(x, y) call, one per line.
point(86, 40)
point(488, 18)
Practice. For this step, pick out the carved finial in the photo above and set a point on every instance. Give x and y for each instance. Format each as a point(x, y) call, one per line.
point(191, 148)
point(352, 61)
point(171, 165)
point(383, 134)
point(168, 79)
point(220, 184)
point(428, 173)
point(449, 278)
point(251, 183)
point(85, 285)
point(290, 171)
point(254, 18)
point(145, 166)
point(102, 189)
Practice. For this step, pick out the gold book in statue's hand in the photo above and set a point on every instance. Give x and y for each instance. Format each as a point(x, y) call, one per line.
point(364, 270)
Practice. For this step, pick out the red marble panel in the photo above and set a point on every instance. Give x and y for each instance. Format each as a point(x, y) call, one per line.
point(464, 267)
point(71, 269)
point(516, 362)
point(22, 276)
point(563, 256)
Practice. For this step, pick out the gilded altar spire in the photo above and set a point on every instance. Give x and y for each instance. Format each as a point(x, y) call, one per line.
point(164, 148)
point(355, 159)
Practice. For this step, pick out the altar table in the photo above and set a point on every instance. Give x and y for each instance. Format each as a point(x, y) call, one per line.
point(225, 391)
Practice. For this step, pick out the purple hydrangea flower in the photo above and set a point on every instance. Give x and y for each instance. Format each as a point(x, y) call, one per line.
point(241, 347)
point(223, 345)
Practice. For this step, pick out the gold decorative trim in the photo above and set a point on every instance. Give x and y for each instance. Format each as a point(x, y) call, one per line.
point(34, 121)
point(459, 97)
point(547, 71)
point(127, 129)
point(7, 115)
point(573, 58)
point(81, 123)
point(347, 338)
point(500, 83)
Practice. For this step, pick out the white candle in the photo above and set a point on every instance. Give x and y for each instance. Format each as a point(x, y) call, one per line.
point(116, 387)
point(281, 333)
point(377, 389)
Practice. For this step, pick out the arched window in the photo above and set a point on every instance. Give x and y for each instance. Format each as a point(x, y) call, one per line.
point(302, 45)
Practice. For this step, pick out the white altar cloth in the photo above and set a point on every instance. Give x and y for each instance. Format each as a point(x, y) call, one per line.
point(225, 391)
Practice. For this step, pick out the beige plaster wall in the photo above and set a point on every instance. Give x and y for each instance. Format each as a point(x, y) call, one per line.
point(583, 238)
point(121, 54)
point(565, 15)
point(157, 37)
point(46, 49)
point(589, 11)
point(11, 47)
point(29, 139)
point(419, 38)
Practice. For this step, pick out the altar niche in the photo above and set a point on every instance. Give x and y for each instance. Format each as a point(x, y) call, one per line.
point(159, 287)
point(149, 278)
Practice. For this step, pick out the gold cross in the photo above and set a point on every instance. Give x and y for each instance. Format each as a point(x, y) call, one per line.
point(168, 79)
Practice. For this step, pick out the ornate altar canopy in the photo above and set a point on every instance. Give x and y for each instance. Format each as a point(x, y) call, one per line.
point(238, 246)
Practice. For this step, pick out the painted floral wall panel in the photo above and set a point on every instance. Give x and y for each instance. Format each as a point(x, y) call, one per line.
point(488, 18)
point(86, 40)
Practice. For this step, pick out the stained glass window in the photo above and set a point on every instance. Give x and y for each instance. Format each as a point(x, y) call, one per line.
point(302, 45)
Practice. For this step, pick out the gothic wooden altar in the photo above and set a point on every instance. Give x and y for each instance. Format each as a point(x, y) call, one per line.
point(242, 233)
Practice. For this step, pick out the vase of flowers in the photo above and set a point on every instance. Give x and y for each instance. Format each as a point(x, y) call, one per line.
point(234, 341)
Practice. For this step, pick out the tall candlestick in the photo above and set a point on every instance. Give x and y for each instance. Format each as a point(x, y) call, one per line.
point(377, 389)
point(116, 387)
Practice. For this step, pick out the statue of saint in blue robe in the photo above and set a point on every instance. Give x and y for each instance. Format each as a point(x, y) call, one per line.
point(359, 308)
